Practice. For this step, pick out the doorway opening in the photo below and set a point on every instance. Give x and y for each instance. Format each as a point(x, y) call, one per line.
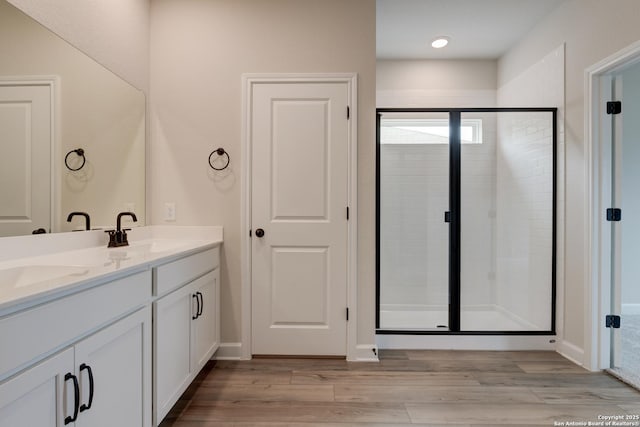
point(614, 224)
point(466, 221)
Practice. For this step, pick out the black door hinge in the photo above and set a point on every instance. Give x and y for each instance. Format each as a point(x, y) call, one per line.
point(249, 232)
point(348, 112)
point(347, 213)
point(347, 314)
point(612, 321)
point(447, 216)
point(614, 214)
point(614, 107)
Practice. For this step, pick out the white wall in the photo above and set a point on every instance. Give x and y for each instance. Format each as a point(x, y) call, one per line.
point(113, 32)
point(591, 31)
point(199, 50)
point(436, 83)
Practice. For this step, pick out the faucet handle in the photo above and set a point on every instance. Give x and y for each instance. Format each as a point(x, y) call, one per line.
point(112, 238)
point(125, 240)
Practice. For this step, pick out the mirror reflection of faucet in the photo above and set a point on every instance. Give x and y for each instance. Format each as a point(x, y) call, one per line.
point(86, 219)
point(118, 237)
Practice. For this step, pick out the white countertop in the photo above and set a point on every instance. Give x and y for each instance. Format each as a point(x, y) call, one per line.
point(63, 263)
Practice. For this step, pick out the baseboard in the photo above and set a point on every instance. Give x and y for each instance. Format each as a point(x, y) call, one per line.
point(364, 353)
point(229, 351)
point(571, 352)
point(233, 351)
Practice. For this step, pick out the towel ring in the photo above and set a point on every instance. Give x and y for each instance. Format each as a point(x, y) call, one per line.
point(219, 152)
point(80, 153)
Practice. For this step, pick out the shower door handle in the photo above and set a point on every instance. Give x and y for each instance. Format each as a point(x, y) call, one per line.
point(447, 216)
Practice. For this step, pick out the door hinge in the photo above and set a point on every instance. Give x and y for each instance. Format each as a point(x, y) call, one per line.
point(249, 232)
point(614, 214)
point(612, 321)
point(348, 112)
point(614, 107)
point(347, 213)
point(447, 216)
point(347, 314)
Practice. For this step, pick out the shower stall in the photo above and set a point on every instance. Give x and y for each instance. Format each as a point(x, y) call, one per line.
point(466, 221)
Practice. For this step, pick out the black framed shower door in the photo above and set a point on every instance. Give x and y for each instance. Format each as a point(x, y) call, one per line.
point(466, 221)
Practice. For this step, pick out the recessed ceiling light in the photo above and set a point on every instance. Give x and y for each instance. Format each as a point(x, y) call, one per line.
point(440, 42)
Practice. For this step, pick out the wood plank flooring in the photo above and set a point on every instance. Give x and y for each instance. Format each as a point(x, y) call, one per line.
point(427, 388)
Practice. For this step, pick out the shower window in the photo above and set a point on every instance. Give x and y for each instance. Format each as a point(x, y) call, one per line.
point(466, 221)
point(421, 130)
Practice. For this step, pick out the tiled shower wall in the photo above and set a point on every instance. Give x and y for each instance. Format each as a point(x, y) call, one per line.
point(414, 195)
point(524, 189)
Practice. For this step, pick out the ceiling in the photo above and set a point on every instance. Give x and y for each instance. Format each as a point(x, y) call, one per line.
point(478, 29)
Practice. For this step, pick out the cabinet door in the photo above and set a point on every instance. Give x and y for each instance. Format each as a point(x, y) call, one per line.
point(117, 360)
point(39, 396)
point(205, 326)
point(172, 336)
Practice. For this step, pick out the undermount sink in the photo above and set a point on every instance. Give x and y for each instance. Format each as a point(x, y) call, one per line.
point(76, 264)
point(157, 246)
point(144, 249)
point(27, 275)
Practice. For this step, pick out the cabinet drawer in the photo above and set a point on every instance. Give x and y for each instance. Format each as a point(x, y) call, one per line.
point(33, 333)
point(172, 275)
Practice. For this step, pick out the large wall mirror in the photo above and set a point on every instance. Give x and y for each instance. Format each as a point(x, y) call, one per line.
point(54, 100)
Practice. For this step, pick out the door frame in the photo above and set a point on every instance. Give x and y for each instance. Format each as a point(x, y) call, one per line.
point(597, 258)
point(51, 82)
point(249, 80)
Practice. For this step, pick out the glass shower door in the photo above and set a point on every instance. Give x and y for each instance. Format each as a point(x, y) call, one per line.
point(414, 238)
point(506, 217)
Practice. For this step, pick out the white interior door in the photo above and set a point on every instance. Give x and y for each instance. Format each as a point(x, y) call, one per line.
point(25, 158)
point(299, 196)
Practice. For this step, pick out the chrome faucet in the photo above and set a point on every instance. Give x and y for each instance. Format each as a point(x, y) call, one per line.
point(86, 218)
point(118, 237)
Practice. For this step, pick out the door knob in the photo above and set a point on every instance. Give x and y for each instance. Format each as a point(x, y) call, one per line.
point(259, 232)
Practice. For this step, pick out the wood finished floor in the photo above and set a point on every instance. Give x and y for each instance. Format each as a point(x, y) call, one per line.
point(427, 388)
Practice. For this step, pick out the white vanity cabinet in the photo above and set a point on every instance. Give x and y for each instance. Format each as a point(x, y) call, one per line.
point(37, 396)
point(87, 357)
point(92, 336)
point(186, 324)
